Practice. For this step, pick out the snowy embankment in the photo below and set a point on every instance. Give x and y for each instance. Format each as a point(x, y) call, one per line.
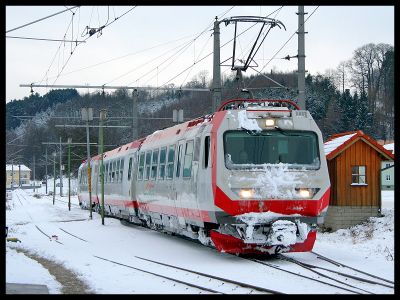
point(369, 247)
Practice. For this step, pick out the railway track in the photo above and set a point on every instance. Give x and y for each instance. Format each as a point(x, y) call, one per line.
point(337, 276)
point(340, 278)
point(338, 264)
point(227, 283)
point(337, 272)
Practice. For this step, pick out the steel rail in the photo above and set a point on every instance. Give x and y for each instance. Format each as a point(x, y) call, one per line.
point(354, 269)
point(319, 273)
point(242, 284)
point(74, 235)
point(301, 275)
point(159, 275)
point(347, 275)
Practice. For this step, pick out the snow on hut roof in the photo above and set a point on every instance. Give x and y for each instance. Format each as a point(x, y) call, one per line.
point(389, 147)
point(16, 168)
point(338, 142)
point(334, 143)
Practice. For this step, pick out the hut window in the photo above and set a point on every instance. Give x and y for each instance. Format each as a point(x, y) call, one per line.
point(358, 175)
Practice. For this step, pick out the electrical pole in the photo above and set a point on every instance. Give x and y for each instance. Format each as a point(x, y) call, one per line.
point(69, 173)
point(103, 115)
point(46, 170)
point(216, 89)
point(135, 95)
point(301, 60)
point(54, 172)
point(87, 115)
point(34, 177)
point(61, 183)
point(12, 174)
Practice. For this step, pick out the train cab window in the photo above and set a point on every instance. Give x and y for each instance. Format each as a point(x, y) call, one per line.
point(187, 162)
point(121, 170)
point(170, 162)
point(140, 166)
point(129, 168)
point(298, 149)
point(161, 172)
point(148, 163)
point(154, 163)
point(206, 151)
point(178, 162)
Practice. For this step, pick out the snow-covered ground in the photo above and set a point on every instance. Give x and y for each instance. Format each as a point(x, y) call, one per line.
point(369, 247)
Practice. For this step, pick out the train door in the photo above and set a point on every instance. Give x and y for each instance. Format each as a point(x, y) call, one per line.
point(178, 182)
point(129, 179)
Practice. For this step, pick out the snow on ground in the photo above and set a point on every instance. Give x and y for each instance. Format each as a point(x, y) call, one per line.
point(371, 251)
point(21, 269)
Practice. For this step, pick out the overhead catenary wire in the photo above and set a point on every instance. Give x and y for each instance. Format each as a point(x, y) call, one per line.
point(206, 43)
point(43, 39)
point(119, 57)
point(198, 35)
point(55, 55)
point(30, 23)
point(276, 53)
point(99, 29)
point(145, 63)
point(210, 53)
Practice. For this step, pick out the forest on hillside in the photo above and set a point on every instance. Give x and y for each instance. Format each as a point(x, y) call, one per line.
point(357, 95)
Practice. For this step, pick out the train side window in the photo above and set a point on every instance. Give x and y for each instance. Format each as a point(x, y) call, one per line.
point(178, 162)
point(206, 151)
point(154, 164)
point(106, 173)
point(161, 172)
point(170, 163)
point(109, 170)
point(187, 162)
point(148, 163)
point(121, 170)
point(140, 166)
point(118, 162)
point(113, 165)
point(129, 168)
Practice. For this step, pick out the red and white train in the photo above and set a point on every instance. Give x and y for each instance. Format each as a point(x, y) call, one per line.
point(250, 178)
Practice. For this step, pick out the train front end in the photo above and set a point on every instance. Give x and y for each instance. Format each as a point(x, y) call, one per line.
point(270, 178)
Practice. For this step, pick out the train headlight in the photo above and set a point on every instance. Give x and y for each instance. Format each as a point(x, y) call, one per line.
point(306, 193)
point(269, 122)
point(284, 123)
point(246, 193)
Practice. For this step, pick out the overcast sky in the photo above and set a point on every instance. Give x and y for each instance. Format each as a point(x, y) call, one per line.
point(152, 45)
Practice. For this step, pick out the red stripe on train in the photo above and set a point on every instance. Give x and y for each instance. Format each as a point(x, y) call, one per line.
point(304, 207)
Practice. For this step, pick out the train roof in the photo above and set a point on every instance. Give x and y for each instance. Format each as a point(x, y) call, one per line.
point(180, 129)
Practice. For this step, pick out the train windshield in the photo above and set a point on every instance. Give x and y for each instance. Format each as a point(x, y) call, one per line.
point(249, 150)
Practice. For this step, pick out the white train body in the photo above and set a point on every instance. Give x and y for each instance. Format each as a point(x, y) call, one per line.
point(194, 179)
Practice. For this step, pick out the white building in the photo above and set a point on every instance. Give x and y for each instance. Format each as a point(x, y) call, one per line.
point(387, 171)
point(21, 175)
